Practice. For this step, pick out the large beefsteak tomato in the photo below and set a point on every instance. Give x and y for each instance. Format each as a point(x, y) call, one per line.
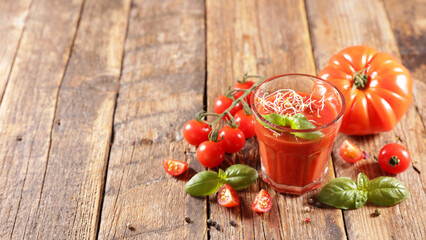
point(377, 89)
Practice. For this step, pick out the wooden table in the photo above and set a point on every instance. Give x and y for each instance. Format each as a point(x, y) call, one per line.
point(94, 95)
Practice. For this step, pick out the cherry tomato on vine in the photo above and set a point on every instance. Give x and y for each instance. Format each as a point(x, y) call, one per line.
point(233, 139)
point(394, 158)
point(245, 123)
point(227, 196)
point(350, 152)
point(222, 103)
point(174, 167)
point(262, 202)
point(196, 132)
point(246, 85)
point(210, 154)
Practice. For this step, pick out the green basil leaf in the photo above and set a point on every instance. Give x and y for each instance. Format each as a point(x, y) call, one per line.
point(342, 193)
point(387, 191)
point(203, 183)
point(277, 119)
point(297, 121)
point(240, 176)
point(363, 182)
point(221, 174)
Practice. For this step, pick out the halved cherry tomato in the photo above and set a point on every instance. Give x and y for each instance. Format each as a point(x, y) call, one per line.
point(222, 103)
point(242, 86)
point(394, 158)
point(174, 167)
point(245, 123)
point(262, 202)
point(233, 139)
point(196, 132)
point(210, 154)
point(350, 152)
point(227, 196)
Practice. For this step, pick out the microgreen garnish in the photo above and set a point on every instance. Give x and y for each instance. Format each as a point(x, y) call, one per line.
point(287, 101)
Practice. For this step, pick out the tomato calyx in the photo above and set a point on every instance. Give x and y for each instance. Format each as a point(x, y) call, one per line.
point(360, 79)
point(393, 161)
point(243, 79)
point(214, 135)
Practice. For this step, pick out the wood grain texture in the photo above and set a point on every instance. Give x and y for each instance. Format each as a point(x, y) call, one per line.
point(80, 140)
point(27, 112)
point(258, 37)
point(160, 89)
point(408, 21)
point(12, 18)
point(333, 29)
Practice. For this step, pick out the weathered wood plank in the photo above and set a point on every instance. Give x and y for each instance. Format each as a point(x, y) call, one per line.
point(80, 140)
point(258, 37)
point(12, 17)
point(27, 111)
point(160, 89)
point(407, 19)
point(333, 29)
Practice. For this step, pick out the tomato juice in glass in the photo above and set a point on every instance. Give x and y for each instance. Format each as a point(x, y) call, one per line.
point(292, 164)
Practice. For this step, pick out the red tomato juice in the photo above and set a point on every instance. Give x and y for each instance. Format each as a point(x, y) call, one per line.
point(293, 164)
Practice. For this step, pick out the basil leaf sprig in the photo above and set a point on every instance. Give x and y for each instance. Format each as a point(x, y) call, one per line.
point(204, 183)
point(297, 121)
point(345, 193)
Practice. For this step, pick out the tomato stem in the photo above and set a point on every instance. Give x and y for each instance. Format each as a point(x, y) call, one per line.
point(243, 79)
point(393, 161)
point(360, 79)
point(214, 135)
point(243, 96)
point(246, 107)
point(200, 116)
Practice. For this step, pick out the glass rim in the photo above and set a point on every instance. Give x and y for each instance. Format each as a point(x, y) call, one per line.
point(286, 129)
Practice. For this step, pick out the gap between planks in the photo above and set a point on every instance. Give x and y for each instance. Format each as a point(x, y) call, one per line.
point(101, 199)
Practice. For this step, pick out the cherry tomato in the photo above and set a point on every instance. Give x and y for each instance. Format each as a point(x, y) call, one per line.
point(245, 123)
point(262, 202)
point(350, 152)
point(246, 85)
point(394, 158)
point(210, 154)
point(174, 167)
point(196, 132)
point(233, 139)
point(222, 103)
point(227, 196)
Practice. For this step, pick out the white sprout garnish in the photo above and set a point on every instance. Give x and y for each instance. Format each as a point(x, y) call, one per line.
point(289, 102)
